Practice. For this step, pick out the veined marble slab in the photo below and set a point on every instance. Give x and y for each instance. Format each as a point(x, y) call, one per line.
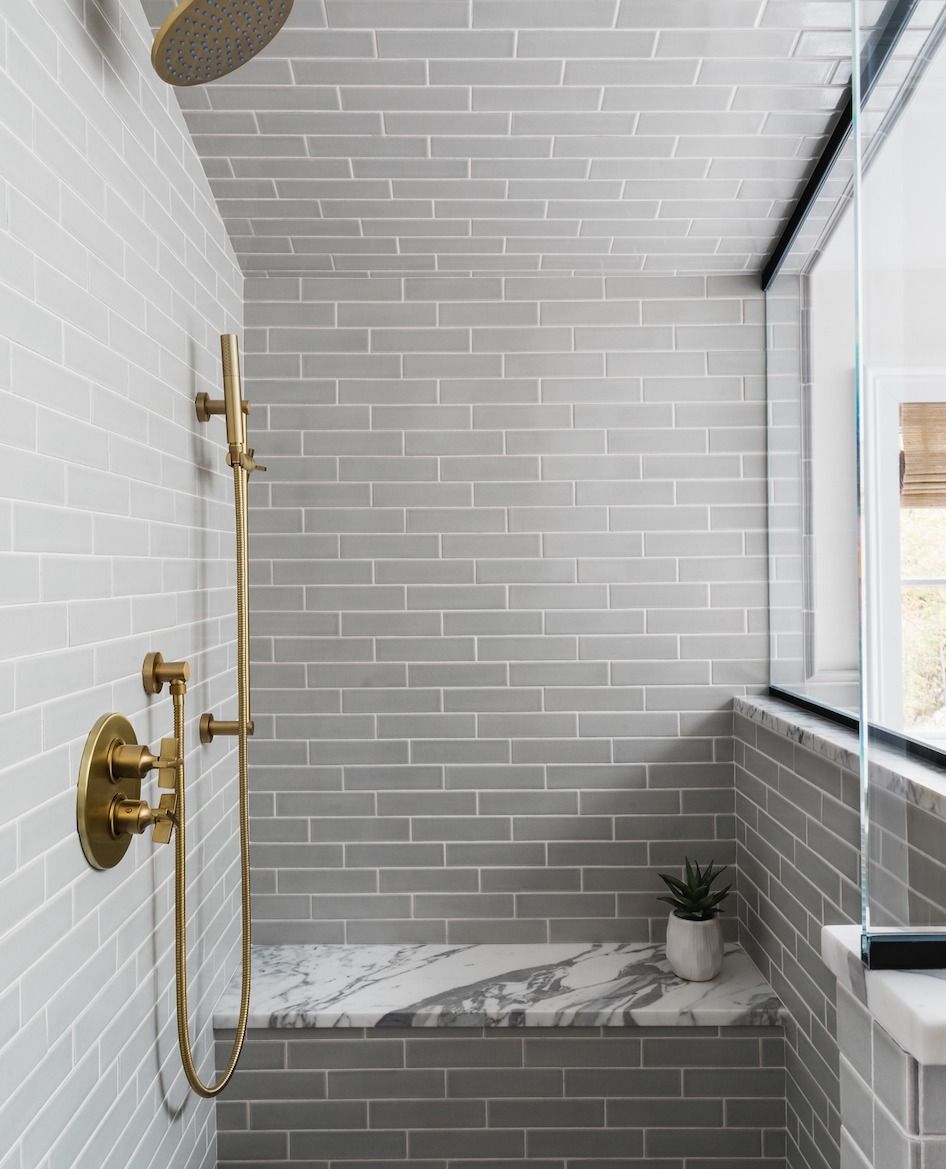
point(910, 1005)
point(574, 984)
point(913, 780)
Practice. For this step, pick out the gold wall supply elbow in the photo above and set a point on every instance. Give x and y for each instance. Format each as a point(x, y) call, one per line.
point(155, 672)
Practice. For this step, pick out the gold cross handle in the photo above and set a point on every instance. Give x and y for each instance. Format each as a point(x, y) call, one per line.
point(168, 763)
point(138, 816)
point(165, 818)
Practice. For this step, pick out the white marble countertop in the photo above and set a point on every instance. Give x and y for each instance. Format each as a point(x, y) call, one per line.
point(561, 985)
point(910, 1005)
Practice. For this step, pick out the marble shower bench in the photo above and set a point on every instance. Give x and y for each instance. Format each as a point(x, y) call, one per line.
point(584, 984)
point(446, 1057)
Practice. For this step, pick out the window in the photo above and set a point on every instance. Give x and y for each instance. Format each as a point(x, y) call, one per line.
point(906, 424)
point(858, 566)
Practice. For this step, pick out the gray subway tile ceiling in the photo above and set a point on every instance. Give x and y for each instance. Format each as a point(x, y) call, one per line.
point(521, 135)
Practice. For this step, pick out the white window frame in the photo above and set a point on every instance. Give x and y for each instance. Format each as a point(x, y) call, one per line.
point(885, 391)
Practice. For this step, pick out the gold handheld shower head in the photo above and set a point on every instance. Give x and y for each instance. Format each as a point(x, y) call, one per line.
point(233, 390)
point(205, 39)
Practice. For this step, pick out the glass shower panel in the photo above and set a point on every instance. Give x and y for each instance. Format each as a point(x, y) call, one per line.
point(899, 283)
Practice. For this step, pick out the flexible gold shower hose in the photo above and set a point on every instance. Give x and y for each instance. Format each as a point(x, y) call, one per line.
point(180, 847)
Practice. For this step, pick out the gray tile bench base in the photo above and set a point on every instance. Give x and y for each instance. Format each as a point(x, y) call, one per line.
point(536, 1098)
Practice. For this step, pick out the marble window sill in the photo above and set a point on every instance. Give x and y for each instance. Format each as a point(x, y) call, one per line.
point(913, 780)
point(563, 985)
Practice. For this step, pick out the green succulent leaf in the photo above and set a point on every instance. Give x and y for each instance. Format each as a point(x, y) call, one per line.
point(694, 898)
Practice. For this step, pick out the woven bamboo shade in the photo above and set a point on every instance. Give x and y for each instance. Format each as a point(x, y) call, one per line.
point(923, 454)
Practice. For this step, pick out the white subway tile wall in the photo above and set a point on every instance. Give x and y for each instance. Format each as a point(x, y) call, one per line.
point(518, 135)
point(509, 570)
point(116, 278)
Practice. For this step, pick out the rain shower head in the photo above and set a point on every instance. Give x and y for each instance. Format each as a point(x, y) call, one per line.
point(205, 39)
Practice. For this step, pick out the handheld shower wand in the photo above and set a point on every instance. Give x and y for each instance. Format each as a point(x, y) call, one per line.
point(233, 391)
point(232, 405)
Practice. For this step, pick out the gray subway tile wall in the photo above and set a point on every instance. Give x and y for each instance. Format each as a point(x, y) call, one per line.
point(793, 877)
point(798, 834)
point(891, 1105)
point(509, 560)
point(710, 1098)
point(508, 574)
point(116, 277)
point(516, 136)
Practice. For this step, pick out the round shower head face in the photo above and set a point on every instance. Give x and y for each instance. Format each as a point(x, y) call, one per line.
point(205, 39)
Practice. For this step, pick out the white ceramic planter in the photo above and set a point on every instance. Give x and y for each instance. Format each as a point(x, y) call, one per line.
point(695, 948)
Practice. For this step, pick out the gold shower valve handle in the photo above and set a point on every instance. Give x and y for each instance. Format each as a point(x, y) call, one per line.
point(168, 762)
point(126, 815)
point(134, 762)
point(137, 816)
point(129, 816)
point(166, 820)
point(128, 761)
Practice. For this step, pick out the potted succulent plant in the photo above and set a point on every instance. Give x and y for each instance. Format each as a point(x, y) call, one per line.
point(694, 936)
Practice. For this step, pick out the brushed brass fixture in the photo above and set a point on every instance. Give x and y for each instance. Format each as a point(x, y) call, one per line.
point(205, 39)
point(207, 407)
point(232, 405)
point(180, 893)
point(233, 390)
point(210, 727)
point(137, 816)
point(156, 672)
point(110, 810)
point(240, 458)
point(131, 762)
point(109, 806)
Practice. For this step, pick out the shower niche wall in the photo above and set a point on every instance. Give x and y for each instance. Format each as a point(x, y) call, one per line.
point(856, 385)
